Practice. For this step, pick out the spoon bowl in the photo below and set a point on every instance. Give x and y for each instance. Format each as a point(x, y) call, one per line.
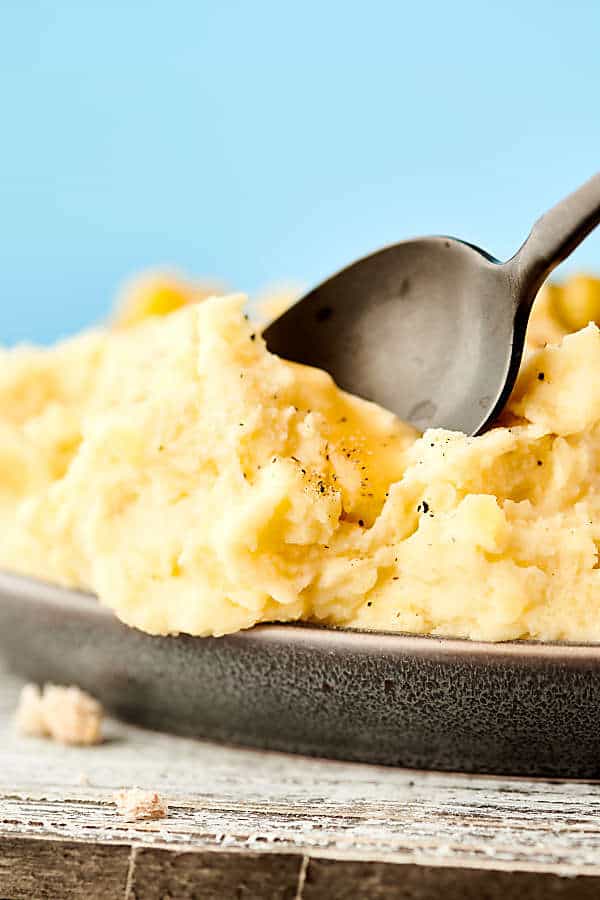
point(433, 328)
point(411, 327)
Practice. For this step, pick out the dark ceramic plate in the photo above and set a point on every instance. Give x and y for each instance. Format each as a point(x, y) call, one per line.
point(515, 708)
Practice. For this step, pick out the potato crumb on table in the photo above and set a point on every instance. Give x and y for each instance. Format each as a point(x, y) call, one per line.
point(134, 803)
point(65, 714)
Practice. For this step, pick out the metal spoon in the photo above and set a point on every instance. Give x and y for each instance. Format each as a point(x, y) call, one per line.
point(433, 328)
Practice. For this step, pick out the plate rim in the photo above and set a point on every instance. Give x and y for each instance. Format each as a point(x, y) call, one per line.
point(323, 637)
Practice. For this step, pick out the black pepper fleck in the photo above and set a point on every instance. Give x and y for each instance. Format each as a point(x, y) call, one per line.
point(541, 376)
point(423, 506)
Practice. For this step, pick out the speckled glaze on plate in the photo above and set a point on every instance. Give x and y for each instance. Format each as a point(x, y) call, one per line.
point(437, 703)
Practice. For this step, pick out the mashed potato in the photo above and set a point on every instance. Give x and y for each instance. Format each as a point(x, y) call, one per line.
point(199, 484)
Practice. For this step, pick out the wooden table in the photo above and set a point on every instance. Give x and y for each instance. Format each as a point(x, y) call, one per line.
point(245, 824)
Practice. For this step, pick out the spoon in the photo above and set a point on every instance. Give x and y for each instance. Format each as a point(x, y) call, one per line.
point(433, 328)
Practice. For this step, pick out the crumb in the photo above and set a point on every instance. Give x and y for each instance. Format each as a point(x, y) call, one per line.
point(65, 714)
point(72, 716)
point(134, 803)
point(29, 717)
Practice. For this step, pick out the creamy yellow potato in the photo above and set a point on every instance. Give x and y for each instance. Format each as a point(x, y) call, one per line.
point(199, 484)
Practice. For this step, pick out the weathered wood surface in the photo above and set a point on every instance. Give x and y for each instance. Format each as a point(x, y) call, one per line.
point(245, 824)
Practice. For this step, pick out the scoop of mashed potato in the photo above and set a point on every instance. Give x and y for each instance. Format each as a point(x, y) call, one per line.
point(199, 484)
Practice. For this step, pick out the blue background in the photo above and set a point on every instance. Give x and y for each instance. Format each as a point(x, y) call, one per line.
point(254, 141)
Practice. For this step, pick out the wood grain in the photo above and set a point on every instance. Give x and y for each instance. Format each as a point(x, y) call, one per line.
point(334, 880)
point(246, 824)
point(30, 867)
point(213, 876)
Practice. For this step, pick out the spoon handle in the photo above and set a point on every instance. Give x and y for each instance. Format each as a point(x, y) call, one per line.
point(554, 237)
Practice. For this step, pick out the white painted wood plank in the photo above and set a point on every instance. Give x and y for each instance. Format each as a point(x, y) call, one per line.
point(226, 798)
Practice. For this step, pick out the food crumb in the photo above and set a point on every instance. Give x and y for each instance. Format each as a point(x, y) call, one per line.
point(29, 717)
point(134, 803)
point(65, 714)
